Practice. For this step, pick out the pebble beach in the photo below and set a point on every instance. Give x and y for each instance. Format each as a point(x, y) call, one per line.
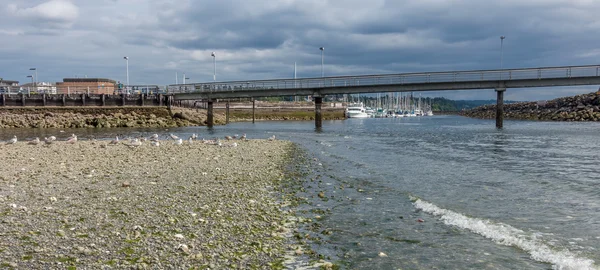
point(92, 205)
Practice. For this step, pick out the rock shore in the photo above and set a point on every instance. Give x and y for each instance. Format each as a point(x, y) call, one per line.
point(102, 117)
point(584, 107)
point(268, 114)
point(92, 205)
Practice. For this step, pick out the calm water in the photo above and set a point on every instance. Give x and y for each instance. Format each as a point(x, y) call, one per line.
point(526, 197)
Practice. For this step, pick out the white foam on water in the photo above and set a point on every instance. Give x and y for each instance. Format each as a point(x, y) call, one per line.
point(507, 235)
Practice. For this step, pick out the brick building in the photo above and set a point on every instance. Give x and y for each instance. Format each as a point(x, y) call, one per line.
point(85, 85)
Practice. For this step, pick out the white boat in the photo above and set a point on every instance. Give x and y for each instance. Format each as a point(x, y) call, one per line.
point(370, 112)
point(429, 113)
point(380, 113)
point(356, 110)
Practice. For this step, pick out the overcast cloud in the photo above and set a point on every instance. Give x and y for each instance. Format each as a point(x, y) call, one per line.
point(263, 39)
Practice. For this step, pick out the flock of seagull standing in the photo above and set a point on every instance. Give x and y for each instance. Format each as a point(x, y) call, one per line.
point(153, 139)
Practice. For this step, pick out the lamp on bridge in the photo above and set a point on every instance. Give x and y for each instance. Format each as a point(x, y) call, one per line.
point(214, 55)
point(322, 71)
point(501, 49)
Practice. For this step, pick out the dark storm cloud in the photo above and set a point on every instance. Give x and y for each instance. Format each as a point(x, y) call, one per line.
point(263, 39)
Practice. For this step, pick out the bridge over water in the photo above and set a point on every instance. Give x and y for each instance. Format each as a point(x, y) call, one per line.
point(498, 80)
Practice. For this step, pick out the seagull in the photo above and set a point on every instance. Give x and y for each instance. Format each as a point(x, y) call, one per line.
point(52, 138)
point(154, 143)
point(173, 136)
point(115, 141)
point(272, 138)
point(243, 138)
point(235, 136)
point(49, 140)
point(35, 141)
point(179, 141)
point(13, 140)
point(142, 138)
point(135, 142)
point(191, 140)
point(72, 139)
point(194, 136)
point(154, 137)
point(228, 138)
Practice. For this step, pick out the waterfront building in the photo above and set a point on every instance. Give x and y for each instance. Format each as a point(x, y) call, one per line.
point(37, 88)
point(86, 85)
point(144, 89)
point(5, 84)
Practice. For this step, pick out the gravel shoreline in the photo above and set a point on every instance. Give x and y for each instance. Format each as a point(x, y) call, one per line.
point(91, 205)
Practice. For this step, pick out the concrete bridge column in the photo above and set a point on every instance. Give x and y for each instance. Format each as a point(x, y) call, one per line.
point(64, 99)
point(83, 99)
point(22, 99)
point(209, 113)
point(44, 99)
point(122, 99)
point(500, 107)
point(160, 100)
point(318, 115)
point(103, 97)
point(142, 99)
point(227, 112)
point(3, 100)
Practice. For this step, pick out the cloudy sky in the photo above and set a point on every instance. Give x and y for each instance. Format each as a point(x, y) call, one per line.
point(261, 39)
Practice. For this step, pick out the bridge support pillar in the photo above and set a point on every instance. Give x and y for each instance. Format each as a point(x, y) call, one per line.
point(500, 107)
point(253, 108)
point(227, 112)
point(209, 114)
point(318, 115)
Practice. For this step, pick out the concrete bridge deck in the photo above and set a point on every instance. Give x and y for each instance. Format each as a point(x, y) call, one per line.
point(498, 80)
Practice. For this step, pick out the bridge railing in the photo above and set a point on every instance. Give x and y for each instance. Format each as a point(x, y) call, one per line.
point(395, 79)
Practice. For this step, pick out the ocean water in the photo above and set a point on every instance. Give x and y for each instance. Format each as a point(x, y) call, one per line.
point(441, 192)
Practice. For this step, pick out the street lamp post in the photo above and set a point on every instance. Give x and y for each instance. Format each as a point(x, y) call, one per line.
point(214, 55)
point(501, 49)
point(29, 88)
point(322, 70)
point(127, 69)
point(36, 75)
point(501, 53)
